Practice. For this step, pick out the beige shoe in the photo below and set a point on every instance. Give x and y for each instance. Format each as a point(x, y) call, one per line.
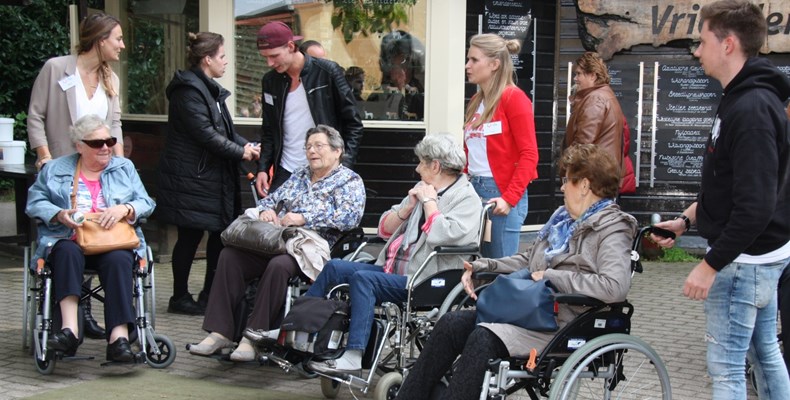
point(213, 343)
point(244, 353)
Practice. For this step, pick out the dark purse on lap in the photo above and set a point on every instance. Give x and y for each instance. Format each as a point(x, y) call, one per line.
point(256, 236)
point(518, 300)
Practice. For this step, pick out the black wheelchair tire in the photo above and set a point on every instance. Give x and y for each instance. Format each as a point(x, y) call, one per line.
point(167, 352)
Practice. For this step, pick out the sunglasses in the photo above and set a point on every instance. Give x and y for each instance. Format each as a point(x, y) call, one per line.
point(98, 143)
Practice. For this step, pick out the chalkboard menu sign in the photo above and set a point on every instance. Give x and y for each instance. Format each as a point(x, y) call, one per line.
point(624, 81)
point(512, 19)
point(687, 101)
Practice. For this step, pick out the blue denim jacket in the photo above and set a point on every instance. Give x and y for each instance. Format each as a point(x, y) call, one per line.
point(52, 192)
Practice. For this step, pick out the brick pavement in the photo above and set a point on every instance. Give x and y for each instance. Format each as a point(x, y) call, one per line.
point(672, 325)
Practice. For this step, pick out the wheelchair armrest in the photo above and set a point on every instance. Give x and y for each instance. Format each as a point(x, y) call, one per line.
point(486, 275)
point(576, 299)
point(444, 250)
point(376, 240)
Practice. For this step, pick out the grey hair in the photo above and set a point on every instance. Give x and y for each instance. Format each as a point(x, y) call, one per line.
point(335, 140)
point(85, 126)
point(443, 148)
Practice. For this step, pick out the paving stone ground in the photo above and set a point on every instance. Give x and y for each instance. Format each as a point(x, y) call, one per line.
point(670, 323)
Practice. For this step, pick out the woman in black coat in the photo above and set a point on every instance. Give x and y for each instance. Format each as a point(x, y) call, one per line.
point(198, 171)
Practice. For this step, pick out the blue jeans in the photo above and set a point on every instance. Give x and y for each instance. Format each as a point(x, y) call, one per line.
point(505, 229)
point(741, 322)
point(369, 287)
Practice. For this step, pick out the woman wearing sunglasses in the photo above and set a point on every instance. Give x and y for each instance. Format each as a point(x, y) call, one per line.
point(73, 86)
point(107, 185)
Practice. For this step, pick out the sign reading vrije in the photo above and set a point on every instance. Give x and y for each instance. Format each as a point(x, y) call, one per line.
point(611, 26)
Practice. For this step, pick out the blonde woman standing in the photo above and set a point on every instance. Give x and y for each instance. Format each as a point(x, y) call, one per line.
point(499, 137)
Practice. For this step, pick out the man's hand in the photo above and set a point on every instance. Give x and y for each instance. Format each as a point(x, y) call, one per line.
point(699, 281)
point(262, 184)
point(676, 225)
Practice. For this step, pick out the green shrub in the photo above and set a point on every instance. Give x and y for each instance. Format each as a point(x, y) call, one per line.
point(676, 254)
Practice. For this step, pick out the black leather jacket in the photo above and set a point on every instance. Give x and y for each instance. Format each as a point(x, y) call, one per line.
point(331, 103)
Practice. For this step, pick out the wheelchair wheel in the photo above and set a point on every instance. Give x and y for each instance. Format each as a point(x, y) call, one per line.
point(329, 387)
point(45, 367)
point(612, 366)
point(458, 300)
point(167, 352)
point(388, 386)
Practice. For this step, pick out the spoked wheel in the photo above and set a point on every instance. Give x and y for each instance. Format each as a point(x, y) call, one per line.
point(329, 387)
point(615, 366)
point(388, 386)
point(167, 352)
point(458, 300)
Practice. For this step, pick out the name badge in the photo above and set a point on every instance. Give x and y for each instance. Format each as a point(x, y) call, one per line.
point(268, 99)
point(492, 128)
point(68, 82)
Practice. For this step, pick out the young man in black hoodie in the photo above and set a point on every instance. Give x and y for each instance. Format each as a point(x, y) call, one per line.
point(743, 207)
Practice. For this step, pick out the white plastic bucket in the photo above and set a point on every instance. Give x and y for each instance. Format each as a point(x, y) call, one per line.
point(6, 129)
point(12, 152)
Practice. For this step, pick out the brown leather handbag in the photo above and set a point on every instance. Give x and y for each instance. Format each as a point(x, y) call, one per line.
point(93, 238)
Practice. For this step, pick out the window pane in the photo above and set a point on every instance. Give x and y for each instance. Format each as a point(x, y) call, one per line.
point(380, 45)
point(156, 47)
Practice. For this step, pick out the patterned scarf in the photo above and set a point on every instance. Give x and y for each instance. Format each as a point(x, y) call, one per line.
point(561, 226)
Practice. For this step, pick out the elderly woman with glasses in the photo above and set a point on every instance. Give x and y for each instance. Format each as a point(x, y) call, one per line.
point(442, 209)
point(324, 196)
point(104, 184)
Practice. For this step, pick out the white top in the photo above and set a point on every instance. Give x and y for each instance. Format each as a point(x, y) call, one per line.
point(97, 105)
point(779, 254)
point(476, 147)
point(296, 121)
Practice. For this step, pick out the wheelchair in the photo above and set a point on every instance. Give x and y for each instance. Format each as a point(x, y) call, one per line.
point(399, 331)
point(593, 356)
point(41, 317)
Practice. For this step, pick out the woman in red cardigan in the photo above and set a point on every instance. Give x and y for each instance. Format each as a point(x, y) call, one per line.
point(499, 136)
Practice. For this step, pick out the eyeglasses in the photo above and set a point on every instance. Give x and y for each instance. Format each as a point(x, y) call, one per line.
point(98, 143)
point(316, 146)
point(573, 179)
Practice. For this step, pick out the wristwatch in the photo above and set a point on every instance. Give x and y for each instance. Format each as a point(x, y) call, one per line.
point(427, 199)
point(686, 220)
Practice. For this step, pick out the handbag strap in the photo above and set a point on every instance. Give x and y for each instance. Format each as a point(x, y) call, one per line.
point(76, 180)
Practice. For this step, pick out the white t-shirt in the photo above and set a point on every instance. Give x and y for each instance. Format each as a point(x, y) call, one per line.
point(476, 147)
point(96, 105)
point(296, 121)
point(767, 258)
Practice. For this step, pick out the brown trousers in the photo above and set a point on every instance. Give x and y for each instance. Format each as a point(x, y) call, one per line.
point(235, 269)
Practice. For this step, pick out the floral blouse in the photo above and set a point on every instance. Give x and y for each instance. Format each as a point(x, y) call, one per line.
point(336, 201)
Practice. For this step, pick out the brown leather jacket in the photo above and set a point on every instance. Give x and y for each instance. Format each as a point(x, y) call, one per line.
point(596, 118)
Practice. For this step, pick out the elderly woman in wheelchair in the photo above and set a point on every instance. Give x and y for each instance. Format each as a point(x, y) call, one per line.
point(324, 196)
point(440, 210)
point(92, 180)
point(582, 249)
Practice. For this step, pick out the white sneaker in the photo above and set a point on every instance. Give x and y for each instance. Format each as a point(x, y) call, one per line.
point(351, 361)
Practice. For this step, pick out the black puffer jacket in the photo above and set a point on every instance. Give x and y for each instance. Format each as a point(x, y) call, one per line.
point(198, 170)
point(331, 103)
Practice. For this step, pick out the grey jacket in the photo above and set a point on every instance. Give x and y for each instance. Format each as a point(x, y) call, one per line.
point(458, 224)
point(53, 110)
point(597, 264)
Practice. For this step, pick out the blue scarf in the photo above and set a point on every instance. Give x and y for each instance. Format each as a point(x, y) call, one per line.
point(561, 226)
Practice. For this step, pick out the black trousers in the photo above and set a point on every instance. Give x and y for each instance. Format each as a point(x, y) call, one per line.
point(784, 312)
point(455, 334)
point(115, 274)
point(184, 254)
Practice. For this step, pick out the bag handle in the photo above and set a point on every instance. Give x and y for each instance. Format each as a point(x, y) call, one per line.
point(76, 180)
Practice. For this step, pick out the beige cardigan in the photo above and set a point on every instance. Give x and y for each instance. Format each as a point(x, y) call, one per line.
point(53, 111)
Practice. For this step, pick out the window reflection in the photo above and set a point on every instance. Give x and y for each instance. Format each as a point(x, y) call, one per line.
point(386, 70)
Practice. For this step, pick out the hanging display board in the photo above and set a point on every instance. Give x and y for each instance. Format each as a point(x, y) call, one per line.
point(687, 102)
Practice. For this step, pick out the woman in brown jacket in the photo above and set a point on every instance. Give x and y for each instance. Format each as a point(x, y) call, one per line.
point(596, 116)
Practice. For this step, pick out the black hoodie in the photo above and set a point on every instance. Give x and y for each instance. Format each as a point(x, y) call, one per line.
point(744, 202)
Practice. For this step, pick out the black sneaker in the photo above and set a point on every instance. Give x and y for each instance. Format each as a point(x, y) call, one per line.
point(203, 299)
point(185, 305)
